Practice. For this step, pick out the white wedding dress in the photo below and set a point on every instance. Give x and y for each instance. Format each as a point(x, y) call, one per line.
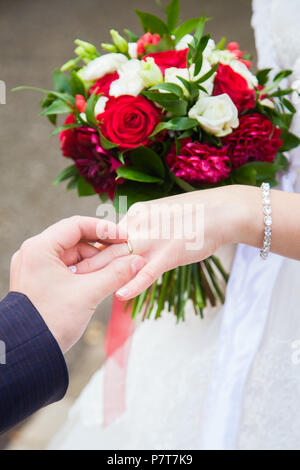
point(171, 367)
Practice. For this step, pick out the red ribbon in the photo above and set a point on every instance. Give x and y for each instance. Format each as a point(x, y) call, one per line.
point(117, 345)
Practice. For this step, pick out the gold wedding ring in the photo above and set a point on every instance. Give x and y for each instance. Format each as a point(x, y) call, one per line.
point(129, 246)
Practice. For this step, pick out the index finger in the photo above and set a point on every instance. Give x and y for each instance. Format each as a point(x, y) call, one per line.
point(69, 232)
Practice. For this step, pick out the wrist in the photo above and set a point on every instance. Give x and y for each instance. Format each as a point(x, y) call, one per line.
point(246, 216)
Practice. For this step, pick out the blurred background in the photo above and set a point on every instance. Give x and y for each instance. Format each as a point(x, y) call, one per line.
point(36, 36)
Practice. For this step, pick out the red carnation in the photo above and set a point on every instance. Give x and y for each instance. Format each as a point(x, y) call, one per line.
point(129, 121)
point(168, 59)
point(230, 82)
point(95, 164)
point(256, 139)
point(199, 163)
point(145, 40)
point(102, 85)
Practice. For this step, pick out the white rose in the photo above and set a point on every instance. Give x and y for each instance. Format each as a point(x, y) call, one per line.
point(172, 73)
point(242, 70)
point(217, 115)
point(184, 42)
point(100, 105)
point(209, 48)
point(130, 81)
point(223, 56)
point(132, 50)
point(206, 67)
point(150, 73)
point(99, 67)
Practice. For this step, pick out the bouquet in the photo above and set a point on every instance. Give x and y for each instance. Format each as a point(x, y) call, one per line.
point(168, 112)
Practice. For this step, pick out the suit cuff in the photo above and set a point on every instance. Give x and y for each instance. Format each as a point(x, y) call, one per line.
point(35, 372)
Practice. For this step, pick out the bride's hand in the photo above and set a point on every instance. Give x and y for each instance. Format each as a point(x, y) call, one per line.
point(176, 231)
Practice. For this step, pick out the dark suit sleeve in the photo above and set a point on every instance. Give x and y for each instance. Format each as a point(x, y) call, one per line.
point(33, 372)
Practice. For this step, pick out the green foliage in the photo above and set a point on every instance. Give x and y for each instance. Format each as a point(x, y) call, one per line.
point(67, 173)
point(168, 101)
point(170, 87)
point(186, 28)
point(172, 11)
point(84, 188)
point(57, 107)
point(254, 173)
point(152, 23)
point(176, 124)
point(138, 192)
point(90, 109)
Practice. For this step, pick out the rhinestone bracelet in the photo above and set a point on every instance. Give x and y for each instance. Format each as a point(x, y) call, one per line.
point(267, 220)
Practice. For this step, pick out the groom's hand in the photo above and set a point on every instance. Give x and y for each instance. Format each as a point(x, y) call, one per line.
point(66, 300)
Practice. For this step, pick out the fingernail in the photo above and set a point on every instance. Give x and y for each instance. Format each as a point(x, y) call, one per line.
point(137, 264)
point(122, 292)
point(73, 269)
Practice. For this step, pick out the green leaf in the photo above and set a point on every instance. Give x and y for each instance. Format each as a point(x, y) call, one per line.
point(221, 44)
point(281, 161)
point(170, 87)
point(131, 36)
point(207, 75)
point(169, 101)
point(200, 27)
point(61, 82)
point(146, 160)
point(280, 92)
point(185, 28)
point(152, 23)
point(198, 58)
point(57, 107)
point(254, 173)
point(182, 184)
point(244, 175)
point(290, 141)
point(137, 192)
point(106, 144)
point(263, 76)
point(90, 109)
point(172, 10)
point(84, 188)
point(63, 96)
point(104, 197)
point(65, 174)
point(281, 75)
point(131, 173)
point(72, 183)
point(176, 124)
point(65, 127)
point(77, 85)
point(289, 106)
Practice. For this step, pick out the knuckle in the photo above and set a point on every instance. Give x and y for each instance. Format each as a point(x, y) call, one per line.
point(148, 275)
point(28, 245)
point(74, 219)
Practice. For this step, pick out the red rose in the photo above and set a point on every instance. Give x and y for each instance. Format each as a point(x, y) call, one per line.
point(230, 82)
point(96, 165)
point(198, 163)
point(256, 139)
point(128, 121)
point(80, 103)
point(168, 59)
point(102, 85)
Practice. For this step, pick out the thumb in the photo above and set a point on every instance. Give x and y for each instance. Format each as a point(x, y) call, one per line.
point(112, 277)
